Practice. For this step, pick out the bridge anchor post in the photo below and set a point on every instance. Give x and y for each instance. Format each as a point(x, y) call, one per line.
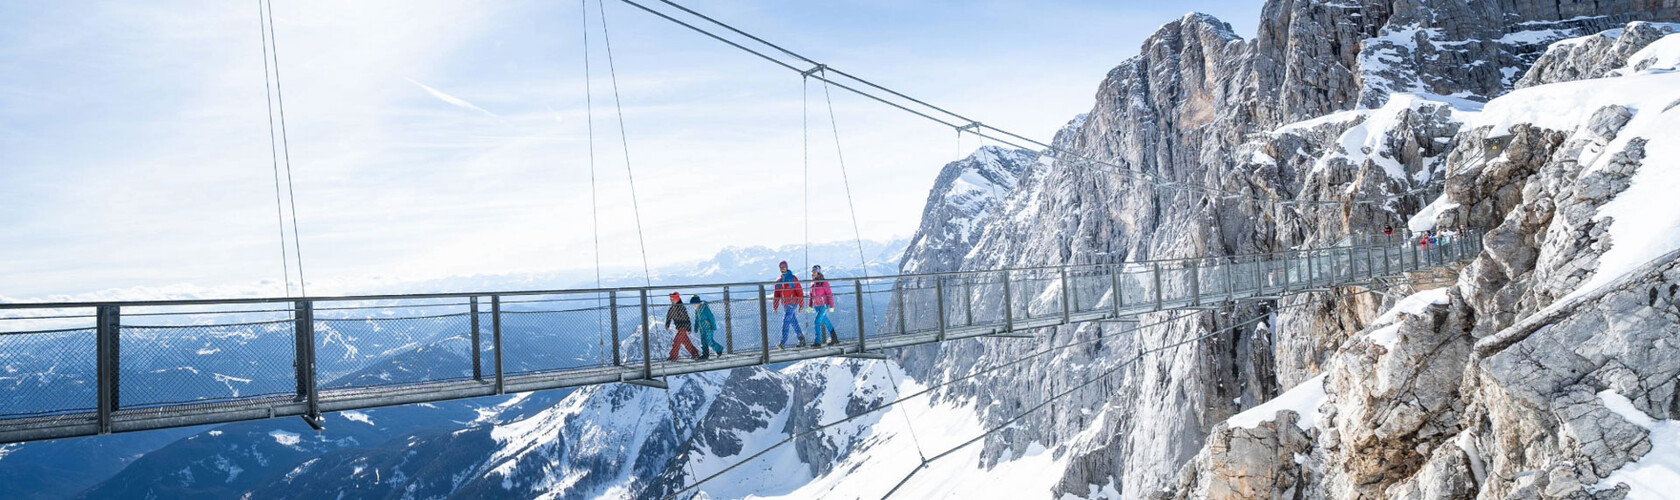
point(304, 355)
point(107, 342)
point(858, 286)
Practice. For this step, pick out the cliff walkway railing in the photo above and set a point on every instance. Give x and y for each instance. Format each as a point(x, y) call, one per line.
point(74, 369)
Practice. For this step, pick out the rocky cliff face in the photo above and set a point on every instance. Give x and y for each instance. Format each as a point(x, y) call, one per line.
point(1547, 370)
point(1333, 101)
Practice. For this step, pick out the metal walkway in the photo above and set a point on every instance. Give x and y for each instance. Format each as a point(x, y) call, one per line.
point(76, 369)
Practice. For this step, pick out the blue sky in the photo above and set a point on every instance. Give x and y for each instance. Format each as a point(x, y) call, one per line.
point(445, 138)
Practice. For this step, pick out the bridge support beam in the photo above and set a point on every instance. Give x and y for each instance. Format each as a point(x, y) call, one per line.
point(763, 325)
point(107, 341)
point(496, 340)
point(1195, 284)
point(898, 292)
point(304, 315)
point(612, 303)
point(648, 382)
point(647, 342)
point(477, 349)
point(1067, 297)
point(1008, 305)
point(939, 302)
point(1011, 336)
point(1159, 297)
point(858, 286)
point(1119, 294)
point(728, 324)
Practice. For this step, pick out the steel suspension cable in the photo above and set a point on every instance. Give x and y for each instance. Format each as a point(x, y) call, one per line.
point(955, 120)
point(805, 148)
point(647, 272)
point(286, 148)
point(624, 140)
point(274, 150)
point(857, 236)
point(840, 155)
point(594, 202)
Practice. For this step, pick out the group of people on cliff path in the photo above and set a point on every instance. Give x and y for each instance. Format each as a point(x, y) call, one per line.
point(1430, 238)
point(788, 300)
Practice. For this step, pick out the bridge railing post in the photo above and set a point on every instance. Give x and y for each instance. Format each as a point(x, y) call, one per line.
point(477, 350)
point(728, 323)
point(1118, 294)
point(900, 295)
point(1160, 295)
point(647, 339)
point(303, 315)
point(763, 325)
point(1067, 296)
point(496, 341)
point(858, 285)
point(107, 343)
point(612, 303)
point(939, 300)
point(1008, 304)
point(1195, 284)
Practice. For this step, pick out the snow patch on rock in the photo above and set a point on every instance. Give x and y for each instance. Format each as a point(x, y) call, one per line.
point(1304, 400)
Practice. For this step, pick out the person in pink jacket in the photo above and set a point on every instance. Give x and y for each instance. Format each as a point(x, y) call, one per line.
point(822, 299)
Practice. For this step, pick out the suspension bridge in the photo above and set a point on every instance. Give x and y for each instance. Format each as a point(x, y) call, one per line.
point(89, 368)
point(110, 370)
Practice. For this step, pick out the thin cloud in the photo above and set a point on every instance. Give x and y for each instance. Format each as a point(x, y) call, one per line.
point(452, 100)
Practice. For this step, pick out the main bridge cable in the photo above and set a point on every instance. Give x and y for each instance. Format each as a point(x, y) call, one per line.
point(594, 202)
point(285, 147)
point(647, 272)
point(274, 150)
point(999, 366)
point(958, 121)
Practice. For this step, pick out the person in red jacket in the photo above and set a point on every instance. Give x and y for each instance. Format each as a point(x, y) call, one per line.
point(789, 298)
point(678, 316)
point(822, 300)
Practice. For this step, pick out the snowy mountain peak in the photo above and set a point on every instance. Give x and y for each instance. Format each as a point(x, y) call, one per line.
point(966, 192)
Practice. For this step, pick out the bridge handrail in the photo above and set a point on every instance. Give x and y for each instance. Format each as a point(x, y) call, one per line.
point(574, 291)
point(122, 361)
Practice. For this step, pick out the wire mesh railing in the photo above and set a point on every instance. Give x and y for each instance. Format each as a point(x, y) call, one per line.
point(107, 362)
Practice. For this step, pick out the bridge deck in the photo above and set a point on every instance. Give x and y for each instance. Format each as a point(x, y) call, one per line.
point(1035, 298)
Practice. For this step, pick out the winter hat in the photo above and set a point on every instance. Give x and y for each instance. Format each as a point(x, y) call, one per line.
point(783, 264)
point(816, 269)
point(677, 296)
point(694, 300)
